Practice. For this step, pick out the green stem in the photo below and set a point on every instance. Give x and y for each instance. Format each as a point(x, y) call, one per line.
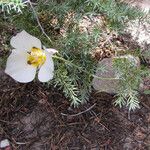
point(69, 62)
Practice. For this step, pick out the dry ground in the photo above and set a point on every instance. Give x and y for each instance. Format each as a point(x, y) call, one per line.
point(34, 117)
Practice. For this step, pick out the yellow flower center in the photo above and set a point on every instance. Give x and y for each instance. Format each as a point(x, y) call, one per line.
point(36, 57)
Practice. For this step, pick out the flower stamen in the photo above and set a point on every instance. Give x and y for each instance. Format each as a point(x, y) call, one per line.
point(36, 57)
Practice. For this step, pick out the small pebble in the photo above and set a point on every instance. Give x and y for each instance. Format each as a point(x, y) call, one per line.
point(4, 143)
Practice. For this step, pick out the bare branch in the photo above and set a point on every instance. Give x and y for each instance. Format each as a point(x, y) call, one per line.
point(38, 21)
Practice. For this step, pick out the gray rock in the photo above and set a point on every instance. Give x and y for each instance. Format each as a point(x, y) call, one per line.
point(110, 85)
point(102, 85)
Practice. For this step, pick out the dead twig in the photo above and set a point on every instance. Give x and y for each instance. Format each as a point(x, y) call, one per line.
point(74, 115)
point(38, 21)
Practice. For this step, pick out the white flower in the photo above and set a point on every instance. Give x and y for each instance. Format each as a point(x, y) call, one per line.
point(28, 57)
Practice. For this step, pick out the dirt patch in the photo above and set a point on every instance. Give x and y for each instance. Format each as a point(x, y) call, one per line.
point(35, 117)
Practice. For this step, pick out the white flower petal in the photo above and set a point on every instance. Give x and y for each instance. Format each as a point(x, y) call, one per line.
point(24, 41)
point(46, 71)
point(51, 51)
point(18, 68)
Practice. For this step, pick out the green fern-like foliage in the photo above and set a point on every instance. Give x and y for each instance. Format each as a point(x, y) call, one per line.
point(66, 84)
point(8, 5)
point(130, 75)
point(115, 12)
point(75, 48)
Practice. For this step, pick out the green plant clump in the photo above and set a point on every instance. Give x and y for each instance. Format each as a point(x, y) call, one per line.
point(130, 75)
point(74, 67)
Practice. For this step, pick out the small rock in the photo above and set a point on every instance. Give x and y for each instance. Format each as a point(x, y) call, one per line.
point(110, 86)
point(4, 143)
